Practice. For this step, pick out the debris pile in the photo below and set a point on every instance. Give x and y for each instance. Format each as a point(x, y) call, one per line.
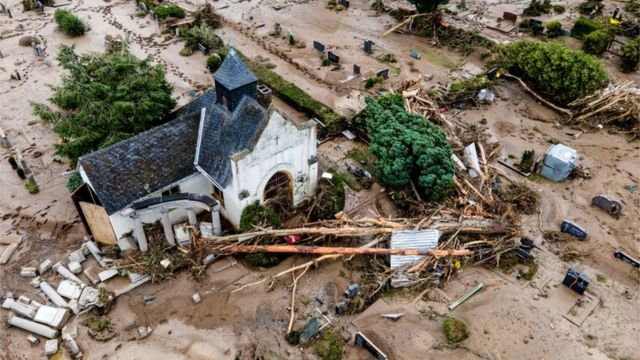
point(617, 105)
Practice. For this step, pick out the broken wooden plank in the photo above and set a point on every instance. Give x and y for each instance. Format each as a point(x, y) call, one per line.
point(328, 250)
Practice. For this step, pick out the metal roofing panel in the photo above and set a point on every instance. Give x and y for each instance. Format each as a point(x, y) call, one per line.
point(412, 239)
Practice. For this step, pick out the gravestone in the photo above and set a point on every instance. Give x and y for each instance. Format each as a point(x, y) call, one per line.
point(345, 3)
point(356, 69)
point(368, 46)
point(202, 48)
point(333, 57)
point(383, 74)
point(277, 29)
point(318, 46)
point(510, 16)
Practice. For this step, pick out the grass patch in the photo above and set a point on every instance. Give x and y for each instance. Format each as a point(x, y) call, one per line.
point(364, 158)
point(440, 60)
point(291, 94)
point(330, 346)
point(601, 278)
point(347, 179)
point(509, 260)
point(455, 330)
point(100, 324)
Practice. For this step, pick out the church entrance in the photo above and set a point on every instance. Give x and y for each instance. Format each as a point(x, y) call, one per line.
point(278, 193)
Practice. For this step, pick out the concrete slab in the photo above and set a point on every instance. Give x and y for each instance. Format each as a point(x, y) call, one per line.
point(52, 316)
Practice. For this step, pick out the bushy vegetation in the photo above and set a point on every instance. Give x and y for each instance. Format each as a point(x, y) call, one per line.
point(587, 7)
point(630, 55)
point(330, 199)
point(585, 26)
point(633, 7)
point(455, 330)
point(372, 81)
point(202, 34)
point(32, 187)
point(74, 182)
point(558, 9)
point(596, 42)
point(70, 24)
point(103, 99)
point(163, 12)
point(562, 73)
point(213, 62)
point(330, 346)
point(475, 84)
point(206, 13)
point(554, 28)
point(257, 216)
point(537, 7)
point(534, 26)
point(408, 148)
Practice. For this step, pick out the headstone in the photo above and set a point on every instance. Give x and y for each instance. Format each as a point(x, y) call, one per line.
point(368, 44)
point(202, 48)
point(356, 69)
point(345, 3)
point(143, 7)
point(383, 74)
point(277, 29)
point(177, 31)
point(510, 16)
point(333, 57)
point(318, 46)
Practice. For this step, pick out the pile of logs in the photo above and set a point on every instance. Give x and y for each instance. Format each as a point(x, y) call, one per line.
point(618, 105)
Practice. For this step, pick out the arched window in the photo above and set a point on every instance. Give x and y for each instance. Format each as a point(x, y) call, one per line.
point(276, 184)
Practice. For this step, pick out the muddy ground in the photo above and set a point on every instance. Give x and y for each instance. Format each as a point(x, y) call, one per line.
point(508, 319)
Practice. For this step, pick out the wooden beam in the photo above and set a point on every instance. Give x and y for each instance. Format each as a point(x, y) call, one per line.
point(326, 250)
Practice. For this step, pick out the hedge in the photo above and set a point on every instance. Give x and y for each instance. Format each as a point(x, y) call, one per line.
point(630, 55)
point(169, 11)
point(596, 42)
point(584, 26)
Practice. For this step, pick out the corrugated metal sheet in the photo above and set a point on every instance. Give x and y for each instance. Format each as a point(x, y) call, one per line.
point(412, 239)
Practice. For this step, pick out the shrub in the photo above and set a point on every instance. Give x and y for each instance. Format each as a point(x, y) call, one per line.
point(13, 162)
point(330, 346)
point(372, 81)
point(331, 198)
point(589, 6)
point(213, 62)
point(554, 29)
point(186, 51)
point(596, 42)
point(32, 187)
point(532, 25)
point(256, 215)
point(633, 7)
point(584, 26)
point(537, 7)
point(202, 34)
point(325, 61)
point(293, 337)
point(75, 181)
point(206, 13)
point(70, 24)
point(558, 9)
point(409, 149)
point(562, 73)
point(174, 11)
point(478, 83)
point(527, 160)
point(630, 55)
point(455, 330)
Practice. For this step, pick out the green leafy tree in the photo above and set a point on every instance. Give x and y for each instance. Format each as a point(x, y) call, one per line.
point(562, 73)
point(408, 148)
point(70, 24)
point(103, 99)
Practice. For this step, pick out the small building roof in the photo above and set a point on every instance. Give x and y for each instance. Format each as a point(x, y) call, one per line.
point(412, 239)
point(233, 73)
point(225, 133)
point(133, 168)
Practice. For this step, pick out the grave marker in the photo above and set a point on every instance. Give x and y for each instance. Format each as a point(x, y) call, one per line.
point(318, 46)
point(368, 45)
point(202, 48)
point(383, 74)
point(333, 57)
point(345, 3)
point(356, 69)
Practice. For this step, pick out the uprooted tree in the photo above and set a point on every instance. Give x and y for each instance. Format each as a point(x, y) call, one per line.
point(409, 149)
point(103, 99)
point(561, 73)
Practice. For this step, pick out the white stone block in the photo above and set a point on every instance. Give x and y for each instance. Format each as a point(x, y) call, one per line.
point(28, 272)
point(51, 347)
point(75, 267)
point(45, 266)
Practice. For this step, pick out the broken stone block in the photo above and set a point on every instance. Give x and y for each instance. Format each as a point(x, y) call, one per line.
point(52, 316)
point(28, 272)
point(69, 289)
point(143, 332)
point(36, 282)
point(51, 347)
point(107, 274)
point(165, 263)
point(89, 297)
point(19, 308)
point(71, 329)
point(45, 266)
point(196, 298)
point(126, 243)
point(74, 306)
point(77, 256)
point(36, 304)
point(72, 346)
point(23, 299)
point(33, 340)
point(75, 267)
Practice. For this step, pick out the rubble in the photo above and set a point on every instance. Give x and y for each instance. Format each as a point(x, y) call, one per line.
point(45, 266)
point(66, 273)
point(53, 295)
point(28, 272)
point(32, 326)
point(107, 274)
point(52, 316)
point(196, 298)
point(19, 308)
point(8, 252)
point(72, 346)
point(75, 267)
point(51, 347)
point(33, 340)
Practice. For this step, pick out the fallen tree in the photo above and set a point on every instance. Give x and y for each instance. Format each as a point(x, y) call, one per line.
point(327, 250)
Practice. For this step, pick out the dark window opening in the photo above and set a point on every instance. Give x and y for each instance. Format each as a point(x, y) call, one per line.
point(171, 190)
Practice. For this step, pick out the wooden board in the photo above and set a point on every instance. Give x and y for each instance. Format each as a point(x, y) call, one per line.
point(99, 223)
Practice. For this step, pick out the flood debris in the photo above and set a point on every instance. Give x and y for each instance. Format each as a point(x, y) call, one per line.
point(466, 297)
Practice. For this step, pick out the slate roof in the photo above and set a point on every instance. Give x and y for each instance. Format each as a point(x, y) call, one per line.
point(233, 73)
point(224, 134)
point(133, 168)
